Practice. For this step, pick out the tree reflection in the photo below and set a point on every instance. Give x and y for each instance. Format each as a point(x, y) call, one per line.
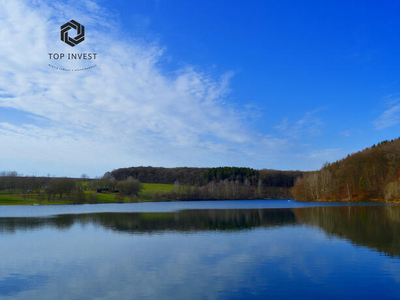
point(376, 227)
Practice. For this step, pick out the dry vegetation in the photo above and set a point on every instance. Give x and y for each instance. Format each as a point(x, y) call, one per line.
point(369, 175)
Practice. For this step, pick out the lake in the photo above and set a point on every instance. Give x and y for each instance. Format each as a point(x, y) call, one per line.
point(200, 250)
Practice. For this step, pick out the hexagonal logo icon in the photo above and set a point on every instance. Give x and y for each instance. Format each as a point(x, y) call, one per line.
point(72, 41)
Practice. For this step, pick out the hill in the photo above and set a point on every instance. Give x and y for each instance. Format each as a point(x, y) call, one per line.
point(149, 184)
point(202, 176)
point(368, 175)
point(186, 176)
point(215, 183)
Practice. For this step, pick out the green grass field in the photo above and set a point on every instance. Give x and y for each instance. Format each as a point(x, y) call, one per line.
point(149, 191)
point(16, 199)
point(151, 188)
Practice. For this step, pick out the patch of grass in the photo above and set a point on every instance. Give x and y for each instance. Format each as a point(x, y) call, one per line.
point(106, 198)
point(83, 184)
point(147, 194)
point(152, 188)
point(7, 199)
point(17, 199)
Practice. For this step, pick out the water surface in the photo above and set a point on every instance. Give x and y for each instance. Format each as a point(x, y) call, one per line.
point(197, 250)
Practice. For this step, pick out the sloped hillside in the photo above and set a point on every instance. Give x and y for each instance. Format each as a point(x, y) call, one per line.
point(371, 174)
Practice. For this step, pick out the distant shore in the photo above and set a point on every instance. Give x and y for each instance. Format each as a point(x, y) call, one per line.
point(35, 202)
point(375, 200)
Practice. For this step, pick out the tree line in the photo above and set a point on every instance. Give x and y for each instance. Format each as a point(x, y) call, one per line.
point(203, 176)
point(223, 190)
point(187, 176)
point(71, 189)
point(189, 184)
point(370, 174)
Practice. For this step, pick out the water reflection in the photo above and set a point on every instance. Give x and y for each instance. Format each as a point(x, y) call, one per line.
point(189, 220)
point(376, 227)
point(253, 253)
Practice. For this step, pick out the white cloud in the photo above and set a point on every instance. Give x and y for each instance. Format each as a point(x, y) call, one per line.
point(345, 133)
point(327, 155)
point(126, 111)
point(390, 117)
point(310, 124)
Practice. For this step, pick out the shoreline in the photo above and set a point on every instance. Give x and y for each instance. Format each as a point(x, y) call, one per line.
point(66, 202)
point(355, 201)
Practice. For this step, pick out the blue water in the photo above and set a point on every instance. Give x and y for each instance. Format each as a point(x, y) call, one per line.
point(200, 250)
point(48, 210)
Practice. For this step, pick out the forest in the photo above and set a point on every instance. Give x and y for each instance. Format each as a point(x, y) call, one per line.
point(202, 176)
point(149, 184)
point(214, 183)
point(187, 176)
point(369, 175)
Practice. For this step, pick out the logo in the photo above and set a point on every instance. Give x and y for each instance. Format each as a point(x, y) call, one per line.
point(80, 29)
point(72, 61)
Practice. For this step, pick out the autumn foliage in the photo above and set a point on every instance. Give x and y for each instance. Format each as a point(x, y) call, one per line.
point(371, 174)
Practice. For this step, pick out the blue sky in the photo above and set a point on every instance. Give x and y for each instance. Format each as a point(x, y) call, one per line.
point(264, 84)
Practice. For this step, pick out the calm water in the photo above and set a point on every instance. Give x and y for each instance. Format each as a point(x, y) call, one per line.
point(200, 250)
